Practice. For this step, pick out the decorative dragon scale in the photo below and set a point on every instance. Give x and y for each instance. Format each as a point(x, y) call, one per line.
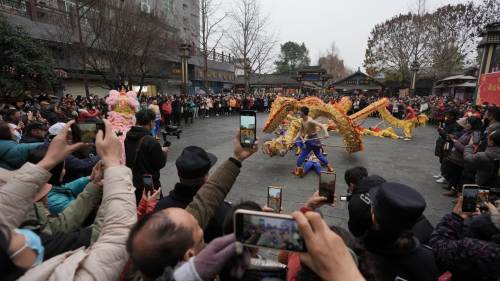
point(283, 107)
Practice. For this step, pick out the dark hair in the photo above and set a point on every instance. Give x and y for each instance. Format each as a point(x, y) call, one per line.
point(36, 155)
point(9, 113)
point(495, 137)
point(494, 111)
point(5, 133)
point(475, 123)
point(355, 175)
point(164, 244)
point(228, 226)
point(453, 113)
point(145, 116)
point(304, 110)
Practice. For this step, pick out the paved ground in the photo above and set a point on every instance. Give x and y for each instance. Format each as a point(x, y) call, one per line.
point(412, 163)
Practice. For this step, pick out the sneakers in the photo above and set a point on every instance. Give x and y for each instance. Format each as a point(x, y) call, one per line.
point(441, 180)
point(437, 176)
point(407, 139)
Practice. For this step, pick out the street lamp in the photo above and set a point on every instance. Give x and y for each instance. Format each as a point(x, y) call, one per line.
point(415, 67)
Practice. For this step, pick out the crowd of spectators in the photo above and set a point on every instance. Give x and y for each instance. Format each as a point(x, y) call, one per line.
point(77, 211)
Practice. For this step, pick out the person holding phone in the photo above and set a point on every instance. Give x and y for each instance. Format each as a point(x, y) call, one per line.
point(144, 154)
point(466, 257)
point(310, 141)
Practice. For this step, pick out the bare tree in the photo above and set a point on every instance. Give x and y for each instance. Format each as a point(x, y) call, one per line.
point(247, 40)
point(333, 63)
point(126, 42)
point(211, 33)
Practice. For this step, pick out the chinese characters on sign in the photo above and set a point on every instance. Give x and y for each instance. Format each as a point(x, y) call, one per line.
point(489, 88)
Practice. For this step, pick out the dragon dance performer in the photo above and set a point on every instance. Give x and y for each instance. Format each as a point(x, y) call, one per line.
point(311, 141)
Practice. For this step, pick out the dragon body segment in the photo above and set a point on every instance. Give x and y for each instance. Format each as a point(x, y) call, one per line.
point(280, 117)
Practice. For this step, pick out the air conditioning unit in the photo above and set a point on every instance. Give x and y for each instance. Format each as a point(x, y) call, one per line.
point(145, 8)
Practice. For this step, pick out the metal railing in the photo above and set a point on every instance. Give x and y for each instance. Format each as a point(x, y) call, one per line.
point(215, 56)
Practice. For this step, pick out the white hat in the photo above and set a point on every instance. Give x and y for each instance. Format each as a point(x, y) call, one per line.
point(56, 128)
point(462, 122)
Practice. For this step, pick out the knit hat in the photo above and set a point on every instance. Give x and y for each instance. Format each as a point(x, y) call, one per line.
point(55, 129)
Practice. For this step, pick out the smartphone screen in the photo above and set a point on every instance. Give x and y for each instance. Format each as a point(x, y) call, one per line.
point(327, 185)
point(147, 181)
point(274, 197)
point(470, 194)
point(268, 230)
point(86, 132)
point(248, 127)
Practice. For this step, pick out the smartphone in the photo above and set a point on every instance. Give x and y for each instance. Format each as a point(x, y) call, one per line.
point(327, 185)
point(470, 193)
point(248, 128)
point(268, 230)
point(344, 198)
point(87, 131)
point(274, 198)
point(147, 181)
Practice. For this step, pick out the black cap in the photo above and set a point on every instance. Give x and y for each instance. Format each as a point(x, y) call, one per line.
point(397, 207)
point(194, 162)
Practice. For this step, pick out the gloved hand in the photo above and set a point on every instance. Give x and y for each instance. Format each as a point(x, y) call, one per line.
point(212, 259)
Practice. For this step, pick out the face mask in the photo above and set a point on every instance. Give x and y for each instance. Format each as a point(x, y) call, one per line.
point(33, 242)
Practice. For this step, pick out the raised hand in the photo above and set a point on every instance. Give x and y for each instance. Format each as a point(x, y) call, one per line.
point(59, 149)
point(242, 153)
point(108, 146)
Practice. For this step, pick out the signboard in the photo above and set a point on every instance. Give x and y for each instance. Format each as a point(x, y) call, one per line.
point(489, 88)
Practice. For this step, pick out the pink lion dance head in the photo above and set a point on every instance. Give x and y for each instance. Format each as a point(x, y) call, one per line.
point(122, 108)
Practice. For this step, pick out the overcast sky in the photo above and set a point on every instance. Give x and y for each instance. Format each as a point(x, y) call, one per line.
point(347, 22)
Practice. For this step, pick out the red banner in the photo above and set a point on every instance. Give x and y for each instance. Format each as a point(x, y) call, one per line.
point(489, 88)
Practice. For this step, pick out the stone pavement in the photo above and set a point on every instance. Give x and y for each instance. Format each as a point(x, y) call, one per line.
point(412, 163)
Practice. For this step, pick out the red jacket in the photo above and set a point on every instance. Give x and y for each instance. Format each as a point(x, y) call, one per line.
point(167, 108)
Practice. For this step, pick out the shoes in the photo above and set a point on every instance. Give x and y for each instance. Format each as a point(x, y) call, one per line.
point(441, 180)
point(437, 176)
point(329, 168)
point(407, 139)
point(299, 172)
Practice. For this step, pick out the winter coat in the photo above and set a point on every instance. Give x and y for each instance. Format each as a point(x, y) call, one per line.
point(466, 258)
point(60, 197)
point(450, 129)
point(150, 157)
point(105, 259)
point(415, 263)
point(483, 163)
point(13, 155)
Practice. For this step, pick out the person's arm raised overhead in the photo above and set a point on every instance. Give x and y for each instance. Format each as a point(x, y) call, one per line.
point(212, 194)
point(327, 254)
point(107, 256)
point(16, 195)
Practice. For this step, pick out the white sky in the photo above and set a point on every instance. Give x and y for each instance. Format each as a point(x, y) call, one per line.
point(347, 22)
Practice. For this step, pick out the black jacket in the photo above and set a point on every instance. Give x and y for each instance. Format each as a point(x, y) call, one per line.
point(150, 157)
point(182, 195)
point(449, 129)
point(360, 216)
point(414, 263)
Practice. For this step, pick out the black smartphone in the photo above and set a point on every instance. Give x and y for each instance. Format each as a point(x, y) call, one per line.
point(87, 131)
point(327, 182)
point(274, 198)
point(147, 181)
point(248, 128)
point(470, 193)
point(268, 230)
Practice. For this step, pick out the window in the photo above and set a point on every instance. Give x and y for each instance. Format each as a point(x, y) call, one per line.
point(168, 6)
